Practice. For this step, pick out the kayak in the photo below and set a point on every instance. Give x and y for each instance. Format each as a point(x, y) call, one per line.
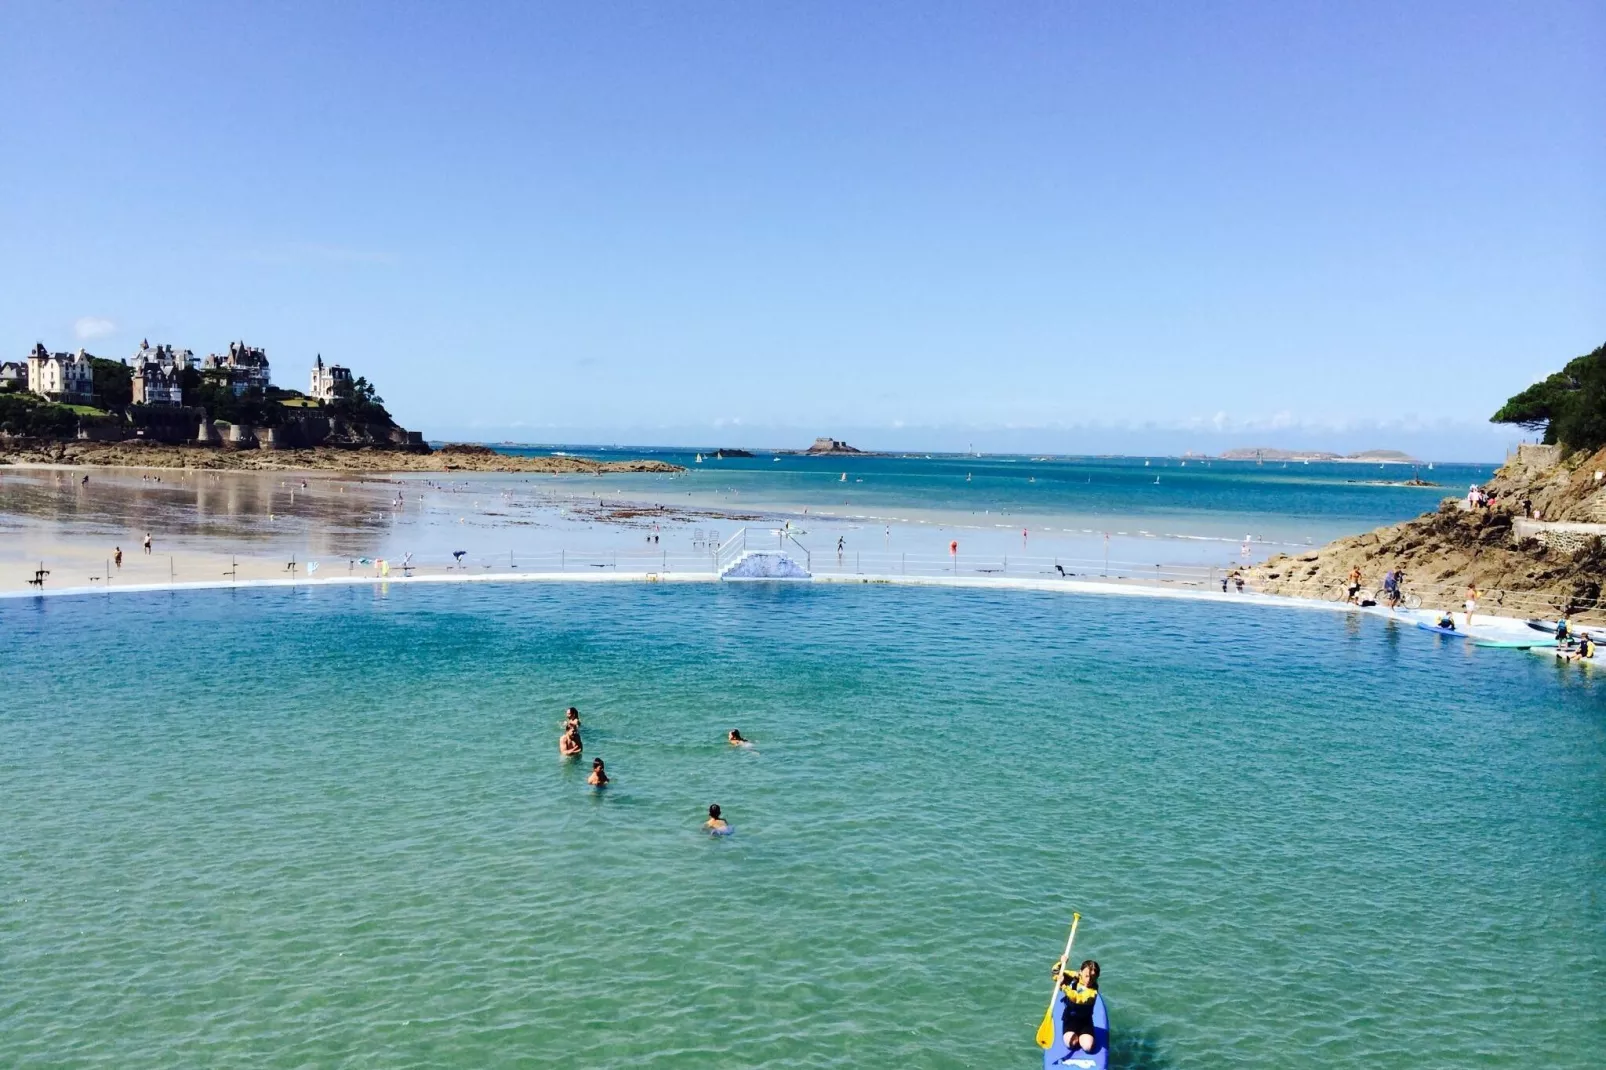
point(1059, 1055)
point(1542, 625)
point(1426, 627)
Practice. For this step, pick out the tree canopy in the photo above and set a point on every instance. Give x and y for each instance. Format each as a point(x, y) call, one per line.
point(1569, 406)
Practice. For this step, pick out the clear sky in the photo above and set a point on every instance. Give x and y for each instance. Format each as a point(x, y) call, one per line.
point(1116, 226)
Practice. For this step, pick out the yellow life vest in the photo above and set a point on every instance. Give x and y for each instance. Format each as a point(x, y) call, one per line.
point(1077, 994)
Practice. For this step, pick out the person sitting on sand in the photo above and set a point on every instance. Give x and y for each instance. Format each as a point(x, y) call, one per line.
point(715, 823)
point(736, 739)
point(569, 744)
point(1080, 988)
point(599, 776)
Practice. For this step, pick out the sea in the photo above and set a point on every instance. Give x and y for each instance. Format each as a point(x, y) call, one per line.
point(329, 826)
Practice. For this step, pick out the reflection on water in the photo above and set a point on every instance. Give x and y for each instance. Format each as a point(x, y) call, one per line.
point(341, 515)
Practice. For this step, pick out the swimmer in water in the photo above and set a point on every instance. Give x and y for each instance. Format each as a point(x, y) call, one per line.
point(715, 823)
point(569, 745)
point(571, 718)
point(736, 739)
point(598, 777)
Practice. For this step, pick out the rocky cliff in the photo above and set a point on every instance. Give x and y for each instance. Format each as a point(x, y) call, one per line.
point(1521, 568)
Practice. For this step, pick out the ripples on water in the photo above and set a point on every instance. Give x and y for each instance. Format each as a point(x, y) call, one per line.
point(328, 827)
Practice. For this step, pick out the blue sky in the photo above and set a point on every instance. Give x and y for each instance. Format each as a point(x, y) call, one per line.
point(1037, 226)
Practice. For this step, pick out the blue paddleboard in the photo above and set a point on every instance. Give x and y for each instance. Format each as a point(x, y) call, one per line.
point(1059, 1055)
point(1426, 627)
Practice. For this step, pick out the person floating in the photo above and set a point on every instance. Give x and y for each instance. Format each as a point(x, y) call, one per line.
point(715, 823)
point(599, 776)
point(569, 744)
point(736, 739)
point(1081, 989)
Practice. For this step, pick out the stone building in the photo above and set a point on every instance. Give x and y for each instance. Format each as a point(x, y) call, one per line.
point(326, 379)
point(65, 377)
point(13, 375)
point(245, 367)
point(158, 374)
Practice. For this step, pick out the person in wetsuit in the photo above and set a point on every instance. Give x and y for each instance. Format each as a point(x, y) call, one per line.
point(1081, 988)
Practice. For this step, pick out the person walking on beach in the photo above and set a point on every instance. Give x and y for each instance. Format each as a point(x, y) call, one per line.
point(1472, 602)
point(117, 556)
point(599, 776)
point(147, 542)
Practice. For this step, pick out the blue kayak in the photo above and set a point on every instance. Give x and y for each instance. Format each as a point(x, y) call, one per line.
point(1097, 1059)
point(1426, 627)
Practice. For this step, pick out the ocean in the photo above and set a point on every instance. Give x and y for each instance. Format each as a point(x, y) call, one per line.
point(329, 827)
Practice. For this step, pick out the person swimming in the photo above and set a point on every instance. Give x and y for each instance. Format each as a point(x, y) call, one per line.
point(715, 823)
point(736, 739)
point(571, 718)
point(1081, 989)
point(569, 744)
point(599, 776)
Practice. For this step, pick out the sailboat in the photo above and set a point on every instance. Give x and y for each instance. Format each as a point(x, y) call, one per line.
point(699, 458)
point(844, 478)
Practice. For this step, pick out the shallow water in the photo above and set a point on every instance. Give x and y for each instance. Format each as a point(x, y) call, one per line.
point(329, 826)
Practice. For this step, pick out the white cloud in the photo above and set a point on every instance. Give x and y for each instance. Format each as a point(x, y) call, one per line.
point(88, 328)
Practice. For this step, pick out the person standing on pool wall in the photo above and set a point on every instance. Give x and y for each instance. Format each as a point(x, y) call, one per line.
point(1081, 989)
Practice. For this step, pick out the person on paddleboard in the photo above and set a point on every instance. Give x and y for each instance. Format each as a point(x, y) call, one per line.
point(599, 776)
point(1081, 989)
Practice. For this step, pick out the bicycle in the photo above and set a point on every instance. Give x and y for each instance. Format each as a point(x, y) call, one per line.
point(1340, 592)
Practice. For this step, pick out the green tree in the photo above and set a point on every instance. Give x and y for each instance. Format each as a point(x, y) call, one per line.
point(114, 383)
point(29, 414)
point(1569, 406)
point(360, 401)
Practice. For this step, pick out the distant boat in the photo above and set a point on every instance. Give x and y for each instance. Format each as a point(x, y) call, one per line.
point(1157, 480)
point(1145, 464)
point(967, 477)
point(776, 460)
point(844, 478)
point(699, 458)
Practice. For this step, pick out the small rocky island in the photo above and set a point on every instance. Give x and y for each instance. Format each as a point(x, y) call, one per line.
point(827, 446)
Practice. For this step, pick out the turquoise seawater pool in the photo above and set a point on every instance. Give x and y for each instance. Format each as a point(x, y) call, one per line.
point(329, 827)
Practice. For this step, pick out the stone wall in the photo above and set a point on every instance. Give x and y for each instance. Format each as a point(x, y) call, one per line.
point(1564, 537)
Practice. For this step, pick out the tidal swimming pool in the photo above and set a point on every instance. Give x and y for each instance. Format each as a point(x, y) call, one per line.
point(330, 826)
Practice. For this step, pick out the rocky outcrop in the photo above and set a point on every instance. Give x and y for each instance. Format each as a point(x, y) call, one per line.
point(1443, 551)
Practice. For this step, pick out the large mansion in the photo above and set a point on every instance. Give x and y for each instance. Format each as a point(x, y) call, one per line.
point(159, 373)
point(327, 379)
point(64, 377)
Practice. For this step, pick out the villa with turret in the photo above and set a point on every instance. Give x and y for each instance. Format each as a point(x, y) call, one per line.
point(328, 380)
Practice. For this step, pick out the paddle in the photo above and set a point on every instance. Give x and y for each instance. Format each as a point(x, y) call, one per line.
point(1045, 1032)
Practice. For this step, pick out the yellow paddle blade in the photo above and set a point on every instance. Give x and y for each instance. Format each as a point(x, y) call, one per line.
point(1045, 1032)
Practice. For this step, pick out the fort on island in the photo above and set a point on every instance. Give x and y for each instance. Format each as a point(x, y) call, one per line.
point(162, 393)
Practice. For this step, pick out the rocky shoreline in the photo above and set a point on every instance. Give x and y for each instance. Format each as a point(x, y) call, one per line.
point(1518, 572)
point(452, 458)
